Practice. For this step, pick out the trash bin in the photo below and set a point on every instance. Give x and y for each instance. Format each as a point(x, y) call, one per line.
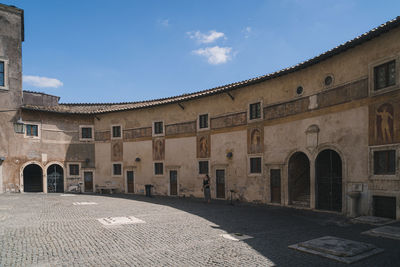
point(148, 190)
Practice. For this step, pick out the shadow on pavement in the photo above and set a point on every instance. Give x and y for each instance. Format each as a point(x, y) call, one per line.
point(274, 228)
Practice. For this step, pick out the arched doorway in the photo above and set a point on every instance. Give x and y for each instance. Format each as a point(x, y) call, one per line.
point(33, 178)
point(299, 180)
point(328, 172)
point(55, 179)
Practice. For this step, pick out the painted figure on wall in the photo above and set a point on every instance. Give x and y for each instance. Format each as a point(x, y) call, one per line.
point(203, 146)
point(117, 151)
point(255, 141)
point(384, 123)
point(158, 149)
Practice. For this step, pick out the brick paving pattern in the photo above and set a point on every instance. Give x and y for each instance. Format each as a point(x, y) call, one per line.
point(48, 230)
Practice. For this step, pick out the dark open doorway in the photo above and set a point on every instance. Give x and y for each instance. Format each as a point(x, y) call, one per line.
point(33, 178)
point(299, 180)
point(328, 172)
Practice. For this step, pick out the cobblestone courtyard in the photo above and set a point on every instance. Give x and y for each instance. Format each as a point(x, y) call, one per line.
point(55, 229)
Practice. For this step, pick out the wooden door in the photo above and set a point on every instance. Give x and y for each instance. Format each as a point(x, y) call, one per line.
point(275, 175)
point(328, 172)
point(173, 183)
point(130, 181)
point(220, 174)
point(88, 178)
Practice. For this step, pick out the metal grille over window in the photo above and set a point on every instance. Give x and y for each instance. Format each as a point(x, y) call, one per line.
point(117, 169)
point(2, 76)
point(32, 130)
point(255, 111)
point(385, 162)
point(158, 127)
point(203, 121)
point(86, 132)
point(116, 131)
point(385, 75)
point(158, 168)
point(255, 165)
point(203, 167)
point(74, 169)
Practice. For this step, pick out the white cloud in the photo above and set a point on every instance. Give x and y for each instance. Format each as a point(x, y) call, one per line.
point(215, 55)
point(206, 38)
point(165, 22)
point(38, 81)
point(247, 31)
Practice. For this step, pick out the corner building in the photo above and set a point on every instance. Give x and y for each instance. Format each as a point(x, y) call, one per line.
point(323, 134)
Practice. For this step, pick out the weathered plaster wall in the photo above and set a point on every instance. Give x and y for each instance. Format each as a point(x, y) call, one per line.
point(11, 96)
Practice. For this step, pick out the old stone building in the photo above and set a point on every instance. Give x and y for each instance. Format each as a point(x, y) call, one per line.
point(323, 134)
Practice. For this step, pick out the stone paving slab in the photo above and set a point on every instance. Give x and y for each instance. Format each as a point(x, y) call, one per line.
point(110, 221)
point(385, 231)
point(84, 203)
point(236, 236)
point(373, 220)
point(339, 249)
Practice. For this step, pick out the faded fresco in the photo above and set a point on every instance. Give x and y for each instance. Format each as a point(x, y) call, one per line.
point(255, 140)
point(158, 149)
point(383, 118)
point(203, 146)
point(117, 151)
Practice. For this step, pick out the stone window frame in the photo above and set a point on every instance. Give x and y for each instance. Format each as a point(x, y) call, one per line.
point(69, 170)
point(80, 133)
point(112, 169)
point(208, 122)
point(394, 176)
point(261, 111)
point(332, 83)
point(38, 124)
point(6, 85)
point(153, 128)
point(371, 75)
point(198, 167)
point(112, 131)
point(249, 157)
point(154, 168)
point(297, 95)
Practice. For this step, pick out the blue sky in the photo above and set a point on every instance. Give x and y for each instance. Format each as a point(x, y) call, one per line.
point(117, 51)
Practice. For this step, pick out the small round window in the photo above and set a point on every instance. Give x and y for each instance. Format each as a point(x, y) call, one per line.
point(328, 80)
point(299, 90)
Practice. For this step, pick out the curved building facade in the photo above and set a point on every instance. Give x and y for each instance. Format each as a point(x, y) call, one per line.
point(323, 134)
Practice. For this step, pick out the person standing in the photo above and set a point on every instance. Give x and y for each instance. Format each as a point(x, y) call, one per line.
point(206, 188)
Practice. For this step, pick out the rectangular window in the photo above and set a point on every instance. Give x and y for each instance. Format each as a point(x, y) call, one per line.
point(203, 121)
point(32, 130)
point(203, 167)
point(2, 74)
point(158, 168)
point(385, 162)
point(385, 75)
point(117, 169)
point(86, 133)
point(74, 169)
point(255, 111)
point(158, 127)
point(255, 165)
point(116, 131)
